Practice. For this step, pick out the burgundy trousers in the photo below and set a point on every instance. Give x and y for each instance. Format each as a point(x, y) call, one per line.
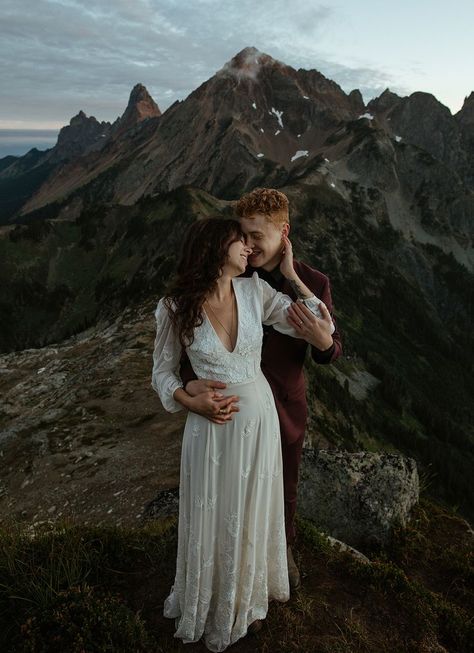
point(291, 454)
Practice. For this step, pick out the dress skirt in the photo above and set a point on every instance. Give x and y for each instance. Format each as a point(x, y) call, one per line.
point(231, 557)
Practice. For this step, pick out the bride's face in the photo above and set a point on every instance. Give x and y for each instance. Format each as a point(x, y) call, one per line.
point(237, 254)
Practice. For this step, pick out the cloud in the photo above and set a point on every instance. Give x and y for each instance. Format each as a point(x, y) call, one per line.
point(371, 82)
point(60, 56)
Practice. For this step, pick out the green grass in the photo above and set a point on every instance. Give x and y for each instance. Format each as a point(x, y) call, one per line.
point(66, 587)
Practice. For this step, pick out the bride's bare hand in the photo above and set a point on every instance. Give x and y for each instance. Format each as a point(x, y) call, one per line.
point(215, 409)
point(286, 263)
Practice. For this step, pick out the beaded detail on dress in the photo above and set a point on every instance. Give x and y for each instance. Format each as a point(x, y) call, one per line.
point(257, 303)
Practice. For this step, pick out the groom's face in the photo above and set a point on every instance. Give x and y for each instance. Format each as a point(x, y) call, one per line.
point(265, 239)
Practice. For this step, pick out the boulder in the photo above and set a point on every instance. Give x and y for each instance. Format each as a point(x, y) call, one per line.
point(357, 497)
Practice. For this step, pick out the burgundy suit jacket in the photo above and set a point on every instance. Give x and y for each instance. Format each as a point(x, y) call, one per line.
point(283, 356)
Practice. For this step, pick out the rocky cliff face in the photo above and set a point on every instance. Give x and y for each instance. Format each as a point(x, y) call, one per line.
point(423, 121)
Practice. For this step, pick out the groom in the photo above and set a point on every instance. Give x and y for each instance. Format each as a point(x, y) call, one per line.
point(264, 217)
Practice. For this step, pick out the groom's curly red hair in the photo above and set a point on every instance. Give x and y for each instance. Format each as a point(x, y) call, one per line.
point(269, 201)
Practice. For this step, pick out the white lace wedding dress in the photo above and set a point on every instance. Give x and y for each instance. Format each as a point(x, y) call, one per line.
point(231, 555)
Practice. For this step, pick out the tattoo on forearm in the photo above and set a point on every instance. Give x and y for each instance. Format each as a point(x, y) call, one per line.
point(297, 288)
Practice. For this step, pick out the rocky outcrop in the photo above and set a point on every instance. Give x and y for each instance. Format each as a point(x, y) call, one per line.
point(141, 106)
point(422, 120)
point(371, 155)
point(384, 102)
point(465, 119)
point(465, 116)
point(27, 175)
point(86, 134)
point(82, 135)
point(356, 100)
point(357, 497)
point(166, 504)
point(80, 146)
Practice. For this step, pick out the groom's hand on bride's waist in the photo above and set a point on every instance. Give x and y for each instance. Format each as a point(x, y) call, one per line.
point(206, 399)
point(196, 386)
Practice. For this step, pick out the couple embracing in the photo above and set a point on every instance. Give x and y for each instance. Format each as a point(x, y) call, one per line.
point(232, 333)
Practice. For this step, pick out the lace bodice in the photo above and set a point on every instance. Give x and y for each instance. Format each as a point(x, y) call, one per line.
point(257, 303)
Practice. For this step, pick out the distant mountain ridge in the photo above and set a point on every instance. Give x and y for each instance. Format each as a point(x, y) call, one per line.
point(22, 178)
point(207, 140)
point(255, 122)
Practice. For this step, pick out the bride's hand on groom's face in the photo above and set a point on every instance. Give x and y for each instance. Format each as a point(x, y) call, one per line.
point(286, 263)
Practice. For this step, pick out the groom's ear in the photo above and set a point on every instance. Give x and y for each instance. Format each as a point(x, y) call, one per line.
point(286, 229)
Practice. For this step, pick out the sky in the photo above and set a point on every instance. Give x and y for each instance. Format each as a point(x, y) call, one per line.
point(61, 56)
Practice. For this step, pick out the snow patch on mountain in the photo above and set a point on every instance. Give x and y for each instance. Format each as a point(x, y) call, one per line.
point(299, 154)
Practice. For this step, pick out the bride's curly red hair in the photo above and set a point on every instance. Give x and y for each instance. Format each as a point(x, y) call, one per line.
point(202, 257)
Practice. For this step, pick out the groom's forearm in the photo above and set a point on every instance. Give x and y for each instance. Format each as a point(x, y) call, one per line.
point(302, 291)
point(182, 397)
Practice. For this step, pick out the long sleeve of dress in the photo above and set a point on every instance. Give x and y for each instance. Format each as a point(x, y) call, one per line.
point(166, 359)
point(275, 306)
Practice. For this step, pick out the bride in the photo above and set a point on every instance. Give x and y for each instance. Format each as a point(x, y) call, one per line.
point(231, 557)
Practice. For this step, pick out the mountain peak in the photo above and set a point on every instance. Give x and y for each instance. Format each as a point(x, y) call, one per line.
point(82, 134)
point(140, 95)
point(356, 100)
point(384, 101)
point(247, 63)
point(247, 53)
point(140, 107)
point(469, 100)
point(81, 118)
point(466, 114)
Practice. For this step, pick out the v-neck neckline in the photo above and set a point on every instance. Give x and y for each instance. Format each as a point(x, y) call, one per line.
point(229, 351)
